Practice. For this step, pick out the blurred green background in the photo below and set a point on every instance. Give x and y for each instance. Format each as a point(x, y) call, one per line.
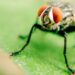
point(44, 54)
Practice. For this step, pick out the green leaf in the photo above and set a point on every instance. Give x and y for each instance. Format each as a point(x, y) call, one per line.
point(44, 54)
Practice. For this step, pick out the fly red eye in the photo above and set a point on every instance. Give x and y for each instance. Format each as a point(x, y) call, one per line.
point(57, 14)
point(41, 9)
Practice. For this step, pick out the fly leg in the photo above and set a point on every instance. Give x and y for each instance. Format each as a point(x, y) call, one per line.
point(27, 42)
point(65, 57)
point(29, 37)
point(22, 37)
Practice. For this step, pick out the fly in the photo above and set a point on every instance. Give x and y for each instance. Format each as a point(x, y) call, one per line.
point(57, 19)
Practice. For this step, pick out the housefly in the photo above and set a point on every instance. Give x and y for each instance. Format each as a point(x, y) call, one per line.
point(56, 18)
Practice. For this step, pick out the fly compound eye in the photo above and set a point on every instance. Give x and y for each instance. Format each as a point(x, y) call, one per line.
point(42, 10)
point(57, 14)
point(46, 20)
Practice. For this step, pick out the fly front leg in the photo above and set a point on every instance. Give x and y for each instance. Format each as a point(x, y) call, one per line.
point(27, 42)
point(23, 37)
point(65, 57)
point(29, 37)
